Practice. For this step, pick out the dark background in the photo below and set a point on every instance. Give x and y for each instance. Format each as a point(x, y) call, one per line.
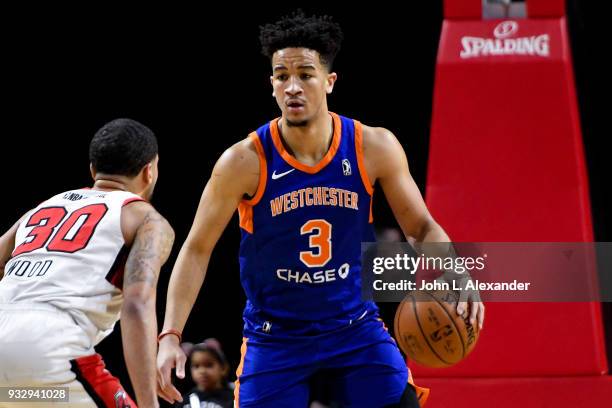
point(196, 77)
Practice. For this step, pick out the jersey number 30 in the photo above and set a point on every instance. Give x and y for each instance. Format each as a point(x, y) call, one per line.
point(72, 235)
point(320, 240)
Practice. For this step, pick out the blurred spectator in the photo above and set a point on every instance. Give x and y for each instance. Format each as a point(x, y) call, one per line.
point(209, 370)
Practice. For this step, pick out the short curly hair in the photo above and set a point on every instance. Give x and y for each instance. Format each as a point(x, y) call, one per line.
point(318, 33)
point(122, 147)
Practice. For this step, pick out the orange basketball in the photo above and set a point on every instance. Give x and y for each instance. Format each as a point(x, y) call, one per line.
point(429, 330)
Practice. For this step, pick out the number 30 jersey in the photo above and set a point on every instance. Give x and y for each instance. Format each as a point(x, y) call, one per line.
point(70, 253)
point(300, 253)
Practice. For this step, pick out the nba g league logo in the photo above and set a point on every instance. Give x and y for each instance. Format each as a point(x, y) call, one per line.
point(346, 167)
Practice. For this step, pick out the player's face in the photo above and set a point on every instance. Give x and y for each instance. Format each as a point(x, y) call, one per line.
point(206, 371)
point(301, 84)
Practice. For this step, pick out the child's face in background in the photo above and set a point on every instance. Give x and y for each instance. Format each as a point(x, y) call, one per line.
point(206, 371)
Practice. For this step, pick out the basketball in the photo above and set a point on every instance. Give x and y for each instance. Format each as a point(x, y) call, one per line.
point(429, 330)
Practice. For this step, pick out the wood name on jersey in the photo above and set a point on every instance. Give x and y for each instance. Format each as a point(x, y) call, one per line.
point(26, 269)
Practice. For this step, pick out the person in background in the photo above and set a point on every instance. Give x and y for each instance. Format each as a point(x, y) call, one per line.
point(209, 371)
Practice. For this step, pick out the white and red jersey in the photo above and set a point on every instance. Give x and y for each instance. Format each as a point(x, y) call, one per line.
point(70, 253)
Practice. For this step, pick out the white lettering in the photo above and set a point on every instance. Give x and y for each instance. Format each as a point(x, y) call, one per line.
point(328, 275)
point(305, 278)
point(318, 277)
point(293, 276)
point(482, 47)
point(377, 265)
point(343, 270)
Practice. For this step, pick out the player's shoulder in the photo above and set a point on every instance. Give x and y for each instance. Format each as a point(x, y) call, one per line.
point(241, 160)
point(141, 210)
point(377, 140)
point(138, 213)
point(381, 151)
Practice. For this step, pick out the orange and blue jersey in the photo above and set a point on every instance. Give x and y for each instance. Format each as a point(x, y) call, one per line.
point(300, 254)
point(300, 266)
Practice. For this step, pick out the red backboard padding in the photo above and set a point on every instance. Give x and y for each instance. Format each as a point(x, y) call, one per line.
point(507, 164)
point(545, 8)
point(575, 392)
point(463, 9)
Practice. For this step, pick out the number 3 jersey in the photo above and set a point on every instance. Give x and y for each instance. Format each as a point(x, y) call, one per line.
point(69, 253)
point(300, 253)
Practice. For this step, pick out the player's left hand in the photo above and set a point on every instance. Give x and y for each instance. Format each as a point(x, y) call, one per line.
point(470, 302)
point(169, 356)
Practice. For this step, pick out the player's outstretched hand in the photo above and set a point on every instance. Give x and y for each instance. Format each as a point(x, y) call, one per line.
point(169, 356)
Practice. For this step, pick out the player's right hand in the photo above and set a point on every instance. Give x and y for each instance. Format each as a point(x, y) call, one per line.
point(169, 356)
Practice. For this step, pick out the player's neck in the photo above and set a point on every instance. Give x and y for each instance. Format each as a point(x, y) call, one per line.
point(108, 184)
point(308, 143)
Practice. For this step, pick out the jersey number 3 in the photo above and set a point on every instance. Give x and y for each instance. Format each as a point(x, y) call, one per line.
point(320, 240)
point(72, 235)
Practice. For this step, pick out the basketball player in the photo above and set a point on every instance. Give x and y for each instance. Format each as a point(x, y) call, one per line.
point(76, 262)
point(303, 188)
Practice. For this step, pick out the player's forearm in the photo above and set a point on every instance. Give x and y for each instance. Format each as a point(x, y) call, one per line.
point(185, 283)
point(139, 335)
point(435, 243)
point(433, 232)
point(432, 241)
point(150, 250)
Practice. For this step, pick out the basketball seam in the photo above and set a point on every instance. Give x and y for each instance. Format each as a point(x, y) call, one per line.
point(396, 323)
point(416, 314)
point(452, 320)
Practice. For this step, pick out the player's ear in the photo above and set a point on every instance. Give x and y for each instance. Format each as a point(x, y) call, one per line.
point(92, 171)
point(331, 80)
point(147, 173)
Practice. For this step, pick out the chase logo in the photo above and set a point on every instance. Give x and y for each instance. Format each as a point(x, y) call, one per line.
point(317, 277)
